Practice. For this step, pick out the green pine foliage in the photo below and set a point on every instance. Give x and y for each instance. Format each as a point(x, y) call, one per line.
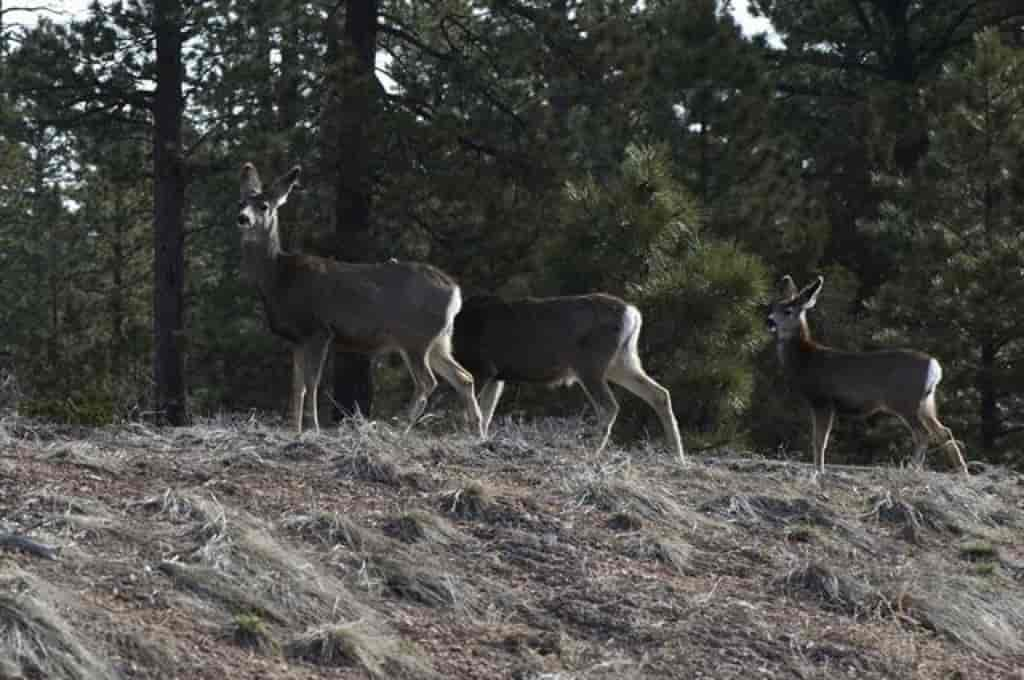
point(651, 150)
point(958, 223)
point(640, 235)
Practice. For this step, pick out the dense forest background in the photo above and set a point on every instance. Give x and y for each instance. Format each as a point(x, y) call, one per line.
point(648, 149)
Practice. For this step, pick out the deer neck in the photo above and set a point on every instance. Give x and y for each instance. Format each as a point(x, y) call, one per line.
point(261, 260)
point(793, 350)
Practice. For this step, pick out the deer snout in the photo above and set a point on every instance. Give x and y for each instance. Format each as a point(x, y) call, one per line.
point(243, 220)
point(773, 326)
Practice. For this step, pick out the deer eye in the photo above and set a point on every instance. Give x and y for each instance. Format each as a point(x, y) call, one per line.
point(789, 311)
point(265, 206)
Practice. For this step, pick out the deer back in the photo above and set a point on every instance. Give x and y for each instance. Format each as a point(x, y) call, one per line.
point(537, 339)
point(862, 382)
point(368, 307)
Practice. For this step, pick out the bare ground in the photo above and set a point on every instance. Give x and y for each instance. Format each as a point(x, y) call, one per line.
point(235, 550)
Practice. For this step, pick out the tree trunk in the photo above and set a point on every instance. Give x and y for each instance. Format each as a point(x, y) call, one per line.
point(987, 393)
point(168, 216)
point(353, 57)
point(117, 313)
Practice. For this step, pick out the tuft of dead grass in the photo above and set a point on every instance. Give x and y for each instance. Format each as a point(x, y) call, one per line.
point(831, 589)
point(145, 648)
point(212, 585)
point(332, 528)
point(170, 504)
point(379, 466)
point(420, 526)
point(913, 518)
point(364, 645)
point(639, 499)
point(471, 501)
point(252, 632)
point(752, 509)
point(421, 583)
point(302, 450)
point(676, 555)
point(985, 617)
point(239, 564)
point(38, 642)
point(88, 456)
point(978, 551)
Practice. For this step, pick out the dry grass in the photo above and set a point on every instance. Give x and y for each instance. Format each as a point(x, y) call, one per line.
point(471, 501)
point(252, 632)
point(678, 556)
point(985, 617)
point(419, 526)
point(621, 491)
point(236, 550)
point(37, 638)
point(428, 585)
point(332, 528)
point(361, 645)
point(831, 589)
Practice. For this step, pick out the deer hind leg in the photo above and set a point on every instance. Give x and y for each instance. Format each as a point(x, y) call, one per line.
point(603, 401)
point(490, 393)
point(423, 381)
point(821, 426)
point(929, 420)
point(459, 378)
point(633, 378)
point(307, 366)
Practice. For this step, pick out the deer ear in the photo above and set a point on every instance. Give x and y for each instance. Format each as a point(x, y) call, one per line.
point(251, 183)
point(809, 295)
point(787, 288)
point(284, 185)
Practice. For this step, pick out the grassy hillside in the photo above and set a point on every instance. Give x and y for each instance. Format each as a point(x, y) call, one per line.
point(236, 551)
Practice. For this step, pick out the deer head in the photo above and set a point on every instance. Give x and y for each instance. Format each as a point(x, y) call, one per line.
point(257, 209)
point(787, 316)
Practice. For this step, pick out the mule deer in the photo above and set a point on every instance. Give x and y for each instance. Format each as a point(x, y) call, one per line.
point(369, 308)
point(590, 339)
point(900, 382)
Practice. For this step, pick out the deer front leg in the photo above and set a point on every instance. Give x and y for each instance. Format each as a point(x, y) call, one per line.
point(603, 401)
point(490, 393)
point(308, 363)
point(821, 427)
point(298, 388)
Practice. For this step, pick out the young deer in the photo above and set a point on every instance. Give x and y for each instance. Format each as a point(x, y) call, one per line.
point(900, 382)
point(591, 339)
point(312, 302)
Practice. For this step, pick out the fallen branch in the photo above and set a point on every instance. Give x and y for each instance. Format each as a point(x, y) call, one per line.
point(27, 545)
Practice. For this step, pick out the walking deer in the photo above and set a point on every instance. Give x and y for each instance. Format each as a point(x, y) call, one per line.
point(900, 382)
point(590, 339)
point(313, 302)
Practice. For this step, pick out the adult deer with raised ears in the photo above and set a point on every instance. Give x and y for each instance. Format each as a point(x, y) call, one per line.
point(312, 302)
point(589, 339)
point(901, 382)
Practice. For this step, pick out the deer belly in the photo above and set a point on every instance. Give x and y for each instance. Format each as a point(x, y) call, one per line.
point(546, 375)
point(858, 408)
point(362, 343)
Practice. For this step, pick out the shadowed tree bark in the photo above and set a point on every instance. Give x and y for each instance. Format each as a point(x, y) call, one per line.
point(357, 88)
point(168, 212)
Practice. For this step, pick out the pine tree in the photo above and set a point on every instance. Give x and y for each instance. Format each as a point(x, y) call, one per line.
point(960, 286)
point(639, 234)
